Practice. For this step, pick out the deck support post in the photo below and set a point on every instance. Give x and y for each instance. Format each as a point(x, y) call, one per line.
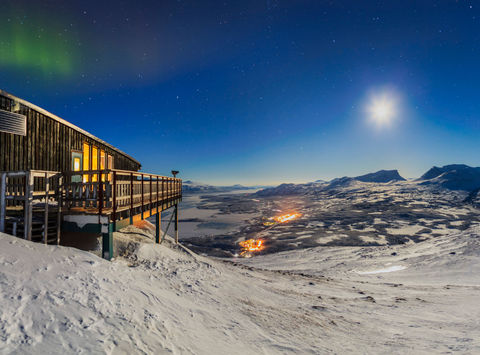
point(28, 200)
point(157, 195)
point(114, 200)
point(3, 201)
point(59, 209)
point(158, 227)
point(45, 216)
point(163, 193)
point(176, 223)
point(142, 198)
point(131, 198)
point(107, 241)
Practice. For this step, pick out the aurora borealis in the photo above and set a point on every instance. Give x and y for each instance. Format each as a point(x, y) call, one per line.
point(22, 48)
point(254, 91)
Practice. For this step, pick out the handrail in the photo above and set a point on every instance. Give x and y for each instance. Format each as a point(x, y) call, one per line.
point(115, 193)
point(120, 190)
point(118, 172)
point(24, 189)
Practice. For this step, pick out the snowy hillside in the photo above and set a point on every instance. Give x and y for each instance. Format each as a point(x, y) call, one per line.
point(353, 214)
point(163, 298)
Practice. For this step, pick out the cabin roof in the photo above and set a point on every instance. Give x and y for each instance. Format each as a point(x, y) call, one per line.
point(66, 123)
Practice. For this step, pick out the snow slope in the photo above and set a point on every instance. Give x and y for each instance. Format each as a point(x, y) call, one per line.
point(165, 299)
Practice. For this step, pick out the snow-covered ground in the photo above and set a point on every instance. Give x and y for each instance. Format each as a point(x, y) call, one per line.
point(354, 213)
point(166, 299)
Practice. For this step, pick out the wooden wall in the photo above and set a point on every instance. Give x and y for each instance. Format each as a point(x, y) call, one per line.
point(48, 144)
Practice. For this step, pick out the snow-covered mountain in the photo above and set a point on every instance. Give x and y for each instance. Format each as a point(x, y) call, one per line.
point(453, 177)
point(381, 176)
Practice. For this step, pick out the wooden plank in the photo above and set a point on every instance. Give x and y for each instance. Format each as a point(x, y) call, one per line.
point(37, 142)
point(142, 195)
point(27, 229)
point(59, 208)
point(3, 204)
point(157, 195)
point(114, 197)
point(131, 198)
point(158, 226)
point(45, 221)
point(176, 223)
point(29, 142)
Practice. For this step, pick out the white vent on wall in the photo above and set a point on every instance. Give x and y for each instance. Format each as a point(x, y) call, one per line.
point(11, 122)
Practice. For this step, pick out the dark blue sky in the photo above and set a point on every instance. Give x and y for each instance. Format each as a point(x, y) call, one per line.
point(255, 91)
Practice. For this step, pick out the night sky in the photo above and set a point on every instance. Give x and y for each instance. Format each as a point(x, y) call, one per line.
point(256, 92)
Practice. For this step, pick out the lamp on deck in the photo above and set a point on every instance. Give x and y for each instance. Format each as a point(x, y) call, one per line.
point(174, 173)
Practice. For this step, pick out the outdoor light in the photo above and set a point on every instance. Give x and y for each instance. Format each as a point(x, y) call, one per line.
point(174, 173)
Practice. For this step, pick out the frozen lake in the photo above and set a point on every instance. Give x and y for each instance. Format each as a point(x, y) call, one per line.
point(200, 222)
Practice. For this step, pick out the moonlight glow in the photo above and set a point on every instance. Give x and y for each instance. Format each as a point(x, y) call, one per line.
point(382, 108)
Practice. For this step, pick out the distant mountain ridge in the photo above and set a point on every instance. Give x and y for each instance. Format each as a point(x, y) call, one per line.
point(283, 190)
point(381, 176)
point(453, 177)
point(190, 186)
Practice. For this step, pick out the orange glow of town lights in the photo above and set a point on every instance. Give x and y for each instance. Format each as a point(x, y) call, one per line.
point(287, 217)
point(251, 245)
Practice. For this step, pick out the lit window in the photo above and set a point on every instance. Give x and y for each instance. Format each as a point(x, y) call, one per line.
point(94, 162)
point(86, 160)
point(76, 164)
point(102, 163)
point(110, 166)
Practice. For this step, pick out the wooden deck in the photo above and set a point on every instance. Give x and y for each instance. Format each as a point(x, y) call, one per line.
point(117, 197)
point(113, 192)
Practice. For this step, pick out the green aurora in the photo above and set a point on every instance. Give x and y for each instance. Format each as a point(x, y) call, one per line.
point(37, 48)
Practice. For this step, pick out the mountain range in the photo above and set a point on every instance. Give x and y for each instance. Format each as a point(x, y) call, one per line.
point(452, 177)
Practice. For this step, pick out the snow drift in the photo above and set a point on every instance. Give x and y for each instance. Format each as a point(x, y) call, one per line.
point(163, 298)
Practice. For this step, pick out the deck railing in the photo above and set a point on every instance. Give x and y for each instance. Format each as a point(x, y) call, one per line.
point(26, 189)
point(116, 193)
point(115, 190)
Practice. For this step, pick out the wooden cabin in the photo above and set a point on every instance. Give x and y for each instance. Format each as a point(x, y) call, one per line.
point(55, 178)
point(32, 138)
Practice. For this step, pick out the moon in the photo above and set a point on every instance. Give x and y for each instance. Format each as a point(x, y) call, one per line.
point(382, 108)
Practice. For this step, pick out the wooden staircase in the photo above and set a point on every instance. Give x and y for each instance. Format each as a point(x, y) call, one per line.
point(15, 225)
